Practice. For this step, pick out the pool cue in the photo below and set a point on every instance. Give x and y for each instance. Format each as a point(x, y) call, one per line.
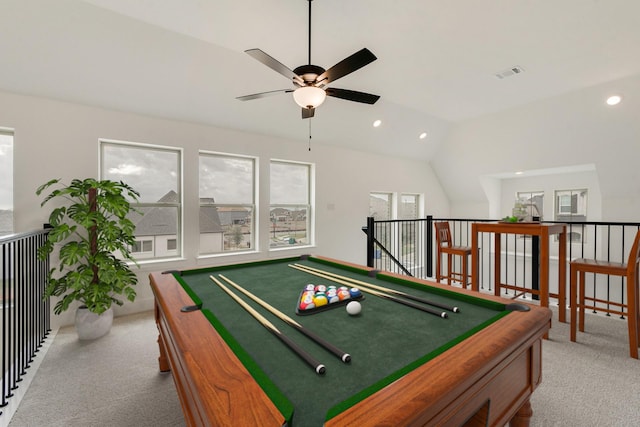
point(317, 366)
point(441, 314)
point(345, 357)
point(384, 289)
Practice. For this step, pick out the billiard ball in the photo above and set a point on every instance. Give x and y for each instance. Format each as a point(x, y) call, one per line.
point(306, 301)
point(355, 292)
point(354, 308)
point(332, 295)
point(320, 299)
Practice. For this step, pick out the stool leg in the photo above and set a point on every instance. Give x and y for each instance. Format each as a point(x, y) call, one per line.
point(438, 277)
point(581, 303)
point(465, 280)
point(632, 317)
point(637, 293)
point(573, 301)
point(449, 267)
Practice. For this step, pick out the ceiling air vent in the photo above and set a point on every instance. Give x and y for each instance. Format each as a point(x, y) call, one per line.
point(509, 72)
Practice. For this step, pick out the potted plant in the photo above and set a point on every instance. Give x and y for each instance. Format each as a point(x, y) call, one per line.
point(90, 228)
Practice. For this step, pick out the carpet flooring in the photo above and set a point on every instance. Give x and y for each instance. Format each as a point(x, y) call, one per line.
point(112, 381)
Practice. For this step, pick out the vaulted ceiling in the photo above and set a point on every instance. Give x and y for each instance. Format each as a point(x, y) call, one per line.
point(436, 67)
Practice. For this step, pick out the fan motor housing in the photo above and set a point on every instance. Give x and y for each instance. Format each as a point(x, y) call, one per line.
point(309, 73)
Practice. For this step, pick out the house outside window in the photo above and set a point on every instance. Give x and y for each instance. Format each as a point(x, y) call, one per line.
point(227, 203)
point(142, 246)
point(571, 206)
point(380, 205)
point(290, 209)
point(409, 206)
point(6, 182)
point(154, 172)
point(532, 201)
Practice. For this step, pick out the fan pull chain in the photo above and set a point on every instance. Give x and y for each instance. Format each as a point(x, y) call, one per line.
point(309, 134)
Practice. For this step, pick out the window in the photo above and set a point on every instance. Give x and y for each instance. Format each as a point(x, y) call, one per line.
point(155, 173)
point(227, 205)
point(380, 206)
point(290, 208)
point(532, 202)
point(6, 182)
point(409, 206)
point(141, 246)
point(571, 206)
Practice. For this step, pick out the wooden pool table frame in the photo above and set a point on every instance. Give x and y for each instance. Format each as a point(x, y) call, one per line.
point(485, 380)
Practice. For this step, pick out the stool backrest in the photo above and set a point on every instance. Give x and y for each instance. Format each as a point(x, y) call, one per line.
point(443, 234)
point(634, 259)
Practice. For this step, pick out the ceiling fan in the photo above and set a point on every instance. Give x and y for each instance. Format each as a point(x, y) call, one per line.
point(310, 81)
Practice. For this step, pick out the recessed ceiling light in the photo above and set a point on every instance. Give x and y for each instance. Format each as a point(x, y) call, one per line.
point(377, 123)
point(614, 100)
point(519, 173)
point(423, 135)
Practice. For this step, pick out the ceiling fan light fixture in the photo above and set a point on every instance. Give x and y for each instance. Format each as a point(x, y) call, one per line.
point(309, 96)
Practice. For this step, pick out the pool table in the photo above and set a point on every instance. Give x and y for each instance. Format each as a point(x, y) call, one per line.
point(408, 367)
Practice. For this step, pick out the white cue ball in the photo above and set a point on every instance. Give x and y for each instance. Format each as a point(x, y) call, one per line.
point(354, 308)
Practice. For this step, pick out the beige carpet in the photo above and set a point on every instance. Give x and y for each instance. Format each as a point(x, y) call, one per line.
point(592, 382)
point(114, 381)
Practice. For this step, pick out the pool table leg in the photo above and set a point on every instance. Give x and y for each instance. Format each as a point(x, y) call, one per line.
point(523, 416)
point(163, 361)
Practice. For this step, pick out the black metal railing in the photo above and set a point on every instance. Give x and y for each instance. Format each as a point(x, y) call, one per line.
point(408, 247)
point(25, 314)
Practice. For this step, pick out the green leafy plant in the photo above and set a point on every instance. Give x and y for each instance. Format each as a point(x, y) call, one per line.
point(91, 227)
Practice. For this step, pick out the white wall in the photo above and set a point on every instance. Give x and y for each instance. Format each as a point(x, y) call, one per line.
point(572, 129)
point(60, 140)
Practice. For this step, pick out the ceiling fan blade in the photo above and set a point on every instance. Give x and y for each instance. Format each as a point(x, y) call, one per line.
point(307, 113)
point(263, 94)
point(347, 66)
point(352, 95)
point(274, 64)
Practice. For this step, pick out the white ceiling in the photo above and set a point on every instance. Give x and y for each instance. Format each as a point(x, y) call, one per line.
point(183, 59)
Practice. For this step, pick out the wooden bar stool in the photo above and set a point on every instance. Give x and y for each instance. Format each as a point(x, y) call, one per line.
point(444, 245)
point(629, 270)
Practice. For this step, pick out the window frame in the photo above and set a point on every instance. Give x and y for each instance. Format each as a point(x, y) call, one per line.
point(11, 134)
point(251, 207)
point(573, 236)
point(390, 204)
point(293, 207)
point(178, 206)
point(528, 196)
point(417, 205)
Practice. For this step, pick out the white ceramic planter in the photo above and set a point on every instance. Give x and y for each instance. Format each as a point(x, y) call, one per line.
point(90, 325)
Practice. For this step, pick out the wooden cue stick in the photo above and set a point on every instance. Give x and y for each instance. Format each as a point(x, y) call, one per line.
point(384, 289)
point(441, 314)
point(317, 366)
point(345, 357)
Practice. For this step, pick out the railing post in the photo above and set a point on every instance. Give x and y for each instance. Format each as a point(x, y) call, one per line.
point(370, 239)
point(535, 265)
point(23, 281)
point(429, 245)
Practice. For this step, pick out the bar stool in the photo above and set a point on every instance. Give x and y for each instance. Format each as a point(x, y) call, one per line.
point(629, 270)
point(444, 245)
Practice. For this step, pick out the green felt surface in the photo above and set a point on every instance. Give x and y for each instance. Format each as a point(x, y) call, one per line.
point(385, 341)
